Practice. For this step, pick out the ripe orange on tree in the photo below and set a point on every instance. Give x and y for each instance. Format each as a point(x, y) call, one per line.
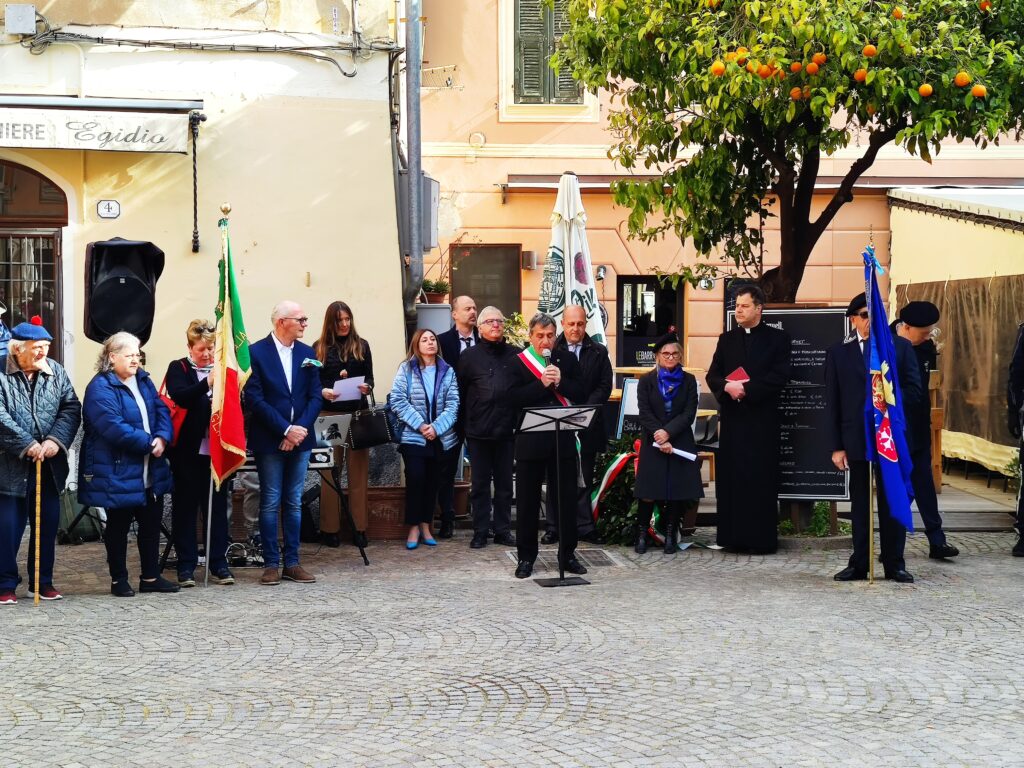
point(718, 69)
point(751, 66)
point(962, 79)
point(796, 93)
point(796, 66)
point(812, 69)
point(870, 51)
point(897, 13)
point(819, 58)
point(925, 90)
point(860, 75)
point(985, 5)
point(979, 91)
point(764, 71)
point(870, 108)
point(807, 91)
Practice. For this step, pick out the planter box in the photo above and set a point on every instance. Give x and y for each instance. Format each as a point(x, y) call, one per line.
point(387, 512)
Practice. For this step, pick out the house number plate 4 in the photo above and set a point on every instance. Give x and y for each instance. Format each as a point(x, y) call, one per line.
point(108, 209)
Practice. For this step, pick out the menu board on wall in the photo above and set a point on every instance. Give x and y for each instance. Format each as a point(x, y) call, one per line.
point(805, 457)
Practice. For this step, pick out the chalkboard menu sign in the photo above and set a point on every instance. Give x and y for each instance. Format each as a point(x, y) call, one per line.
point(805, 457)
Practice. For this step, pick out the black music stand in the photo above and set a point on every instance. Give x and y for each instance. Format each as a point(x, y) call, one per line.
point(557, 419)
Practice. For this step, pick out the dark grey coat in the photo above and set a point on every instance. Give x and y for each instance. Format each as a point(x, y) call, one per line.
point(30, 414)
point(660, 476)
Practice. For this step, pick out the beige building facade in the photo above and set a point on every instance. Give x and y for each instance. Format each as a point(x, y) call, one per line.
point(297, 138)
point(498, 149)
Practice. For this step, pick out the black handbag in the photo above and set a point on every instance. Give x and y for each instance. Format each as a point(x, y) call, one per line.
point(369, 427)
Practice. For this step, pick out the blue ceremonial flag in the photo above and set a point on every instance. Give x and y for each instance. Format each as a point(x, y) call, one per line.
point(883, 411)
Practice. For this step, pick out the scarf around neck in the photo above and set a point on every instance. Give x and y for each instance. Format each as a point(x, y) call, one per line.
point(669, 383)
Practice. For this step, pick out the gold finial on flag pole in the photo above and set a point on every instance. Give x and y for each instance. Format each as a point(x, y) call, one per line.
point(225, 208)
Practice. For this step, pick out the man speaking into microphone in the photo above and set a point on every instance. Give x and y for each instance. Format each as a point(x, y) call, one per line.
point(545, 378)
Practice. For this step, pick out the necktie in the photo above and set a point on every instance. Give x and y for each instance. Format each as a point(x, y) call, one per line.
point(575, 350)
point(466, 341)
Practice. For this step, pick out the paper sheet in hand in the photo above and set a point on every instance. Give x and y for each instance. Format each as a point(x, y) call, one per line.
point(680, 452)
point(348, 389)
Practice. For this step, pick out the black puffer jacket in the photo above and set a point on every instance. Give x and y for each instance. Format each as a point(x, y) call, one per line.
point(485, 374)
point(31, 413)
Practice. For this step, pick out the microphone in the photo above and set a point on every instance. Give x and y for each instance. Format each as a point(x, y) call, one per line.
point(546, 354)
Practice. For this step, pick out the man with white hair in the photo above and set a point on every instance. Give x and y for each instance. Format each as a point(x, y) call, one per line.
point(39, 418)
point(282, 397)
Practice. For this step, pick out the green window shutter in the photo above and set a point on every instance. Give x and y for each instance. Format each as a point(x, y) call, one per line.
point(564, 89)
point(533, 46)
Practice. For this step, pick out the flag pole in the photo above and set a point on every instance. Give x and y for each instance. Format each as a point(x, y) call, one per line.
point(209, 529)
point(871, 523)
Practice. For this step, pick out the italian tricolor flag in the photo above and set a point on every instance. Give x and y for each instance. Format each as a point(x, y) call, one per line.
point(231, 367)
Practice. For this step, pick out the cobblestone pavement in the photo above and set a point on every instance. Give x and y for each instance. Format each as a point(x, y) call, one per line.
point(440, 658)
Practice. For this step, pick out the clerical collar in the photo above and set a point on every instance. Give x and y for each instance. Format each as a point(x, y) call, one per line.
point(748, 330)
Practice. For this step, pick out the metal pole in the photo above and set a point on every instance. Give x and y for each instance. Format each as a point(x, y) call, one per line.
point(413, 74)
point(209, 529)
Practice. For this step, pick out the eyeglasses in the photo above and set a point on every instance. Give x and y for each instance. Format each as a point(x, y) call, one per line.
point(492, 321)
point(134, 356)
point(863, 314)
point(670, 355)
point(300, 320)
point(204, 329)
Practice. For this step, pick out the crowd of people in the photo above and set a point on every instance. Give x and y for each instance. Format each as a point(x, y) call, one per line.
point(461, 392)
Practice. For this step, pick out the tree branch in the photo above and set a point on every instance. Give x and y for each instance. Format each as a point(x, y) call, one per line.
point(844, 194)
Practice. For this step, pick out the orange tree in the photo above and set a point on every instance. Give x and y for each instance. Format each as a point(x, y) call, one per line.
point(734, 103)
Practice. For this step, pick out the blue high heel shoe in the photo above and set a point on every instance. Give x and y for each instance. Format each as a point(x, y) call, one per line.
point(430, 542)
point(411, 544)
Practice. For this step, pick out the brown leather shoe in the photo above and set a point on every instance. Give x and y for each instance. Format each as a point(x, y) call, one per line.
point(270, 577)
point(299, 574)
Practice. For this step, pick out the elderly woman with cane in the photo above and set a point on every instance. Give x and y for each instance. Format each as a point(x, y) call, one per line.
point(667, 400)
point(39, 417)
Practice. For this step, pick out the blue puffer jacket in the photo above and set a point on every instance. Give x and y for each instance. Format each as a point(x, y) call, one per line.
point(116, 444)
point(409, 401)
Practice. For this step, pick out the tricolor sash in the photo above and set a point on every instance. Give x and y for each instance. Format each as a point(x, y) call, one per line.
point(535, 364)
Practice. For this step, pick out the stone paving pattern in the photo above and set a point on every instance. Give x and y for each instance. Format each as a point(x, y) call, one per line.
point(440, 658)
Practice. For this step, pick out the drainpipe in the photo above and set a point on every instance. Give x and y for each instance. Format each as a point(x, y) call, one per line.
point(413, 67)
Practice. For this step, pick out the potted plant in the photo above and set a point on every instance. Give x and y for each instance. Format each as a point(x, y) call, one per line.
point(435, 290)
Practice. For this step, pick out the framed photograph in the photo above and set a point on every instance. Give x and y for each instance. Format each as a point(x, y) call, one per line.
point(629, 409)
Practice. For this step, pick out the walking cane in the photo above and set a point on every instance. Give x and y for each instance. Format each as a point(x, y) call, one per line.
point(39, 531)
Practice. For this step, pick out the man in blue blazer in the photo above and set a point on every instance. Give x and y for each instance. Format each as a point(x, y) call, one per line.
point(282, 400)
point(845, 393)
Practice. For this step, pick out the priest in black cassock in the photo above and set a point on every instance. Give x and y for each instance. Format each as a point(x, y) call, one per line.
point(747, 374)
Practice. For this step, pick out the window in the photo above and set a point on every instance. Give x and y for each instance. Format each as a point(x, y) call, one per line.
point(32, 211)
point(538, 31)
point(490, 274)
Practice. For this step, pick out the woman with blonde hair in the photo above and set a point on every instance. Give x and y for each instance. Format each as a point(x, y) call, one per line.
point(425, 396)
point(123, 468)
point(189, 383)
point(344, 355)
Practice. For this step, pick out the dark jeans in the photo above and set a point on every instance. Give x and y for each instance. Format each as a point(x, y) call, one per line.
point(491, 459)
point(529, 476)
point(584, 514)
point(282, 474)
point(191, 495)
point(15, 514)
point(115, 537)
point(924, 494)
point(892, 534)
point(446, 482)
point(422, 476)
point(1020, 493)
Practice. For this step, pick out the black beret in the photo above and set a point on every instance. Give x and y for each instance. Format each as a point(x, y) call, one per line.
point(668, 338)
point(920, 314)
point(858, 303)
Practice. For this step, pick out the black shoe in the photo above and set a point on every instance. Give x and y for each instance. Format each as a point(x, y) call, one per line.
point(849, 573)
point(186, 579)
point(1018, 550)
point(524, 569)
point(122, 588)
point(332, 540)
point(447, 530)
point(592, 538)
point(549, 537)
point(942, 551)
point(159, 585)
point(359, 539)
point(900, 577)
point(641, 543)
point(479, 541)
point(572, 565)
point(505, 539)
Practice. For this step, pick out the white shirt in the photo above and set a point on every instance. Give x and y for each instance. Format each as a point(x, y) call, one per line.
point(575, 349)
point(285, 353)
point(133, 385)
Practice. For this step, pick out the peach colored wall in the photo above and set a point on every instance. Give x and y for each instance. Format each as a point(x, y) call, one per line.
point(464, 33)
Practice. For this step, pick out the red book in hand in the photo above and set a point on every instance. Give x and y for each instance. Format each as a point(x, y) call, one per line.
point(739, 375)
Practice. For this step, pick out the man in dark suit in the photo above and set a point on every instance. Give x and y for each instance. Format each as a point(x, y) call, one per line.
point(915, 324)
point(538, 382)
point(596, 369)
point(282, 398)
point(453, 342)
point(846, 374)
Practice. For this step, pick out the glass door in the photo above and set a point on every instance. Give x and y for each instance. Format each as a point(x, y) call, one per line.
point(30, 280)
